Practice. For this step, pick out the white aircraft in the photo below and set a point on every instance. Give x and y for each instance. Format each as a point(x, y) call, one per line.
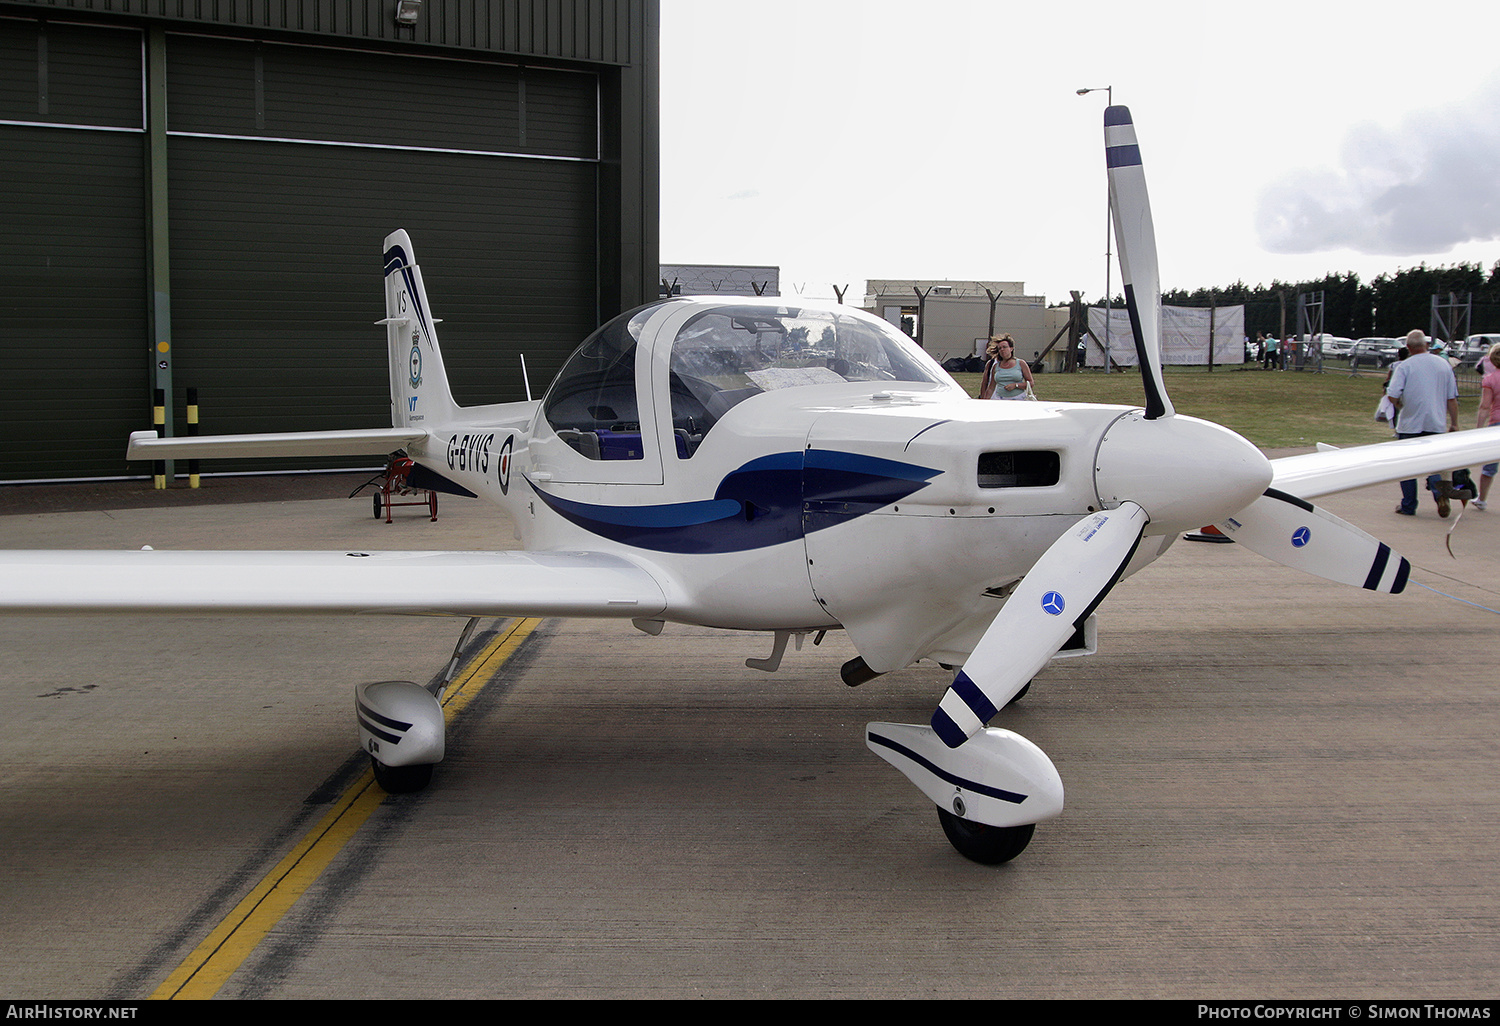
point(769, 465)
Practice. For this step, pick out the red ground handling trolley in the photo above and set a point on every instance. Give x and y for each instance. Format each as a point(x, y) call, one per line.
point(395, 482)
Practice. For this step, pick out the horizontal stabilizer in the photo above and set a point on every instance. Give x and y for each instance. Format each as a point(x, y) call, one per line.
point(145, 445)
point(583, 584)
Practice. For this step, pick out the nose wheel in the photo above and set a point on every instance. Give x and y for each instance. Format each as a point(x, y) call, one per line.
point(982, 843)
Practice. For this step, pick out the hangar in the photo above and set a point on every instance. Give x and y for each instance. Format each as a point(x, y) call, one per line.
point(197, 194)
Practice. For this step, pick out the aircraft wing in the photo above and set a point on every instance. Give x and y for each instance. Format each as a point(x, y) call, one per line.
point(582, 584)
point(1339, 470)
point(145, 445)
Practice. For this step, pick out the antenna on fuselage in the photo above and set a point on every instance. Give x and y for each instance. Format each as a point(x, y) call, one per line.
point(525, 378)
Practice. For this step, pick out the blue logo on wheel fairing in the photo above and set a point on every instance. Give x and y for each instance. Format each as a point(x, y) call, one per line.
point(770, 500)
point(1053, 604)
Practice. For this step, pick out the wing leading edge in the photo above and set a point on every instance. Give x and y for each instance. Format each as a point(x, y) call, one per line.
point(1339, 470)
point(581, 584)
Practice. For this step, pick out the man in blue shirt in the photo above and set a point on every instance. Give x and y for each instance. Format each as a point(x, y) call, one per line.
point(1426, 396)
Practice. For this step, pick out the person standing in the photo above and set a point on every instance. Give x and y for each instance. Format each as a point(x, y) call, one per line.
point(1489, 414)
point(1426, 397)
point(1005, 377)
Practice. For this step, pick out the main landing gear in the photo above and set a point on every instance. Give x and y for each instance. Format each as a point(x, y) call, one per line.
point(401, 725)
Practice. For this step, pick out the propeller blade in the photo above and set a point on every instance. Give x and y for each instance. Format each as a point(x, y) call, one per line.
point(1295, 533)
point(1136, 238)
point(1057, 595)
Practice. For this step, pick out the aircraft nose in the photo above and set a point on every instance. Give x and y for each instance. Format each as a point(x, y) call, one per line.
point(1186, 473)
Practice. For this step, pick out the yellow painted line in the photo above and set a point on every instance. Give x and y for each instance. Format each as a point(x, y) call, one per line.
point(230, 943)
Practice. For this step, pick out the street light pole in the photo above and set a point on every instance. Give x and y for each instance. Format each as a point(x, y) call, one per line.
point(1109, 214)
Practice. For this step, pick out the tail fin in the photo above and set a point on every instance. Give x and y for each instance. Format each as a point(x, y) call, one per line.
point(419, 384)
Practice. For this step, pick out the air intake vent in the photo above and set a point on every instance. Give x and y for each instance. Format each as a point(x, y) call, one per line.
point(1018, 469)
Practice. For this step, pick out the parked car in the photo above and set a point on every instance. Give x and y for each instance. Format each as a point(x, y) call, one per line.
point(1374, 352)
point(1332, 345)
point(1474, 349)
point(1335, 346)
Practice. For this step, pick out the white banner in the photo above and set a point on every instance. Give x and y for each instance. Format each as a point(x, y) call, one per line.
point(1184, 336)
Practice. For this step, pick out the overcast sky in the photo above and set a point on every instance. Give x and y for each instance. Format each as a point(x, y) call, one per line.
point(845, 140)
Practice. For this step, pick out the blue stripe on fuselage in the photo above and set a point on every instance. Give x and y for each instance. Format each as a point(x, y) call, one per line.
point(760, 504)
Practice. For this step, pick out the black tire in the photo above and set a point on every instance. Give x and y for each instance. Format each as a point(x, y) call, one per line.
point(377, 505)
point(979, 842)
point(1019, 694)
point(401, 779)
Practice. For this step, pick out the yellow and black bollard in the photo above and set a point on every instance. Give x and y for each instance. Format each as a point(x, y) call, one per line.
point(159, 421)
point(192, 430)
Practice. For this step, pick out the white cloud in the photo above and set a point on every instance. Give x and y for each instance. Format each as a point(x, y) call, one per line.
point(1419, 190)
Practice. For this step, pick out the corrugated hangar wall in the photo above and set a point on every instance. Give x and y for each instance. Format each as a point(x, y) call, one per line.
point(518, 148)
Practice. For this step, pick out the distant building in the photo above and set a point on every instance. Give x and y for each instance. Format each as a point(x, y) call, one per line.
point(952, 318)
point(719, 279)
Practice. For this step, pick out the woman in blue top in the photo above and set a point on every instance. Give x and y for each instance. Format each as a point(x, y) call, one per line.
point(1005, 377)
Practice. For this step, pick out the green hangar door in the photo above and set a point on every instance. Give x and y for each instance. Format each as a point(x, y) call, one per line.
point(72, 248)
point(288, 167)
point(285, 166)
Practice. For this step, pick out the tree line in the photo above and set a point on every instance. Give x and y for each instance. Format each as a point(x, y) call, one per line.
point(1389, 306)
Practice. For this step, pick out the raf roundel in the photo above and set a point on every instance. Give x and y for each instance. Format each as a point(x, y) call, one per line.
point(1053, 603)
